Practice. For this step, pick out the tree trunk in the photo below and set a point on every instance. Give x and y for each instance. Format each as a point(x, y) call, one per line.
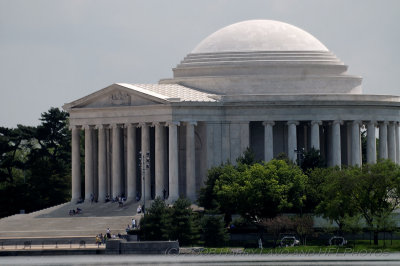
point(375, 237)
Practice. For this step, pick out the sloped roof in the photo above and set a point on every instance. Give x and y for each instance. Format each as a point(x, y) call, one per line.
point(172, 91)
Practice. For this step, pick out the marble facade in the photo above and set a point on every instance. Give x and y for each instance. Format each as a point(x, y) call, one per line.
point(275, 89)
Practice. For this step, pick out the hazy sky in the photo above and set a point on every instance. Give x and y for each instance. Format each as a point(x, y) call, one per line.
point(54, 52)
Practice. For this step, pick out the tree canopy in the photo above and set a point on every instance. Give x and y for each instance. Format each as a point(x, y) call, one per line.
point(35, 164)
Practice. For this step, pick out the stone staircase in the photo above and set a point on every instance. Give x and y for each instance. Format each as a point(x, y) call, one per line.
point(56, 221)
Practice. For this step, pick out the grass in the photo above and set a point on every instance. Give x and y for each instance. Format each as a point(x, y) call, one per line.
point(362, 247)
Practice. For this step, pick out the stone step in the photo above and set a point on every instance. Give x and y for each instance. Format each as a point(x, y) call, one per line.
point(56, 221)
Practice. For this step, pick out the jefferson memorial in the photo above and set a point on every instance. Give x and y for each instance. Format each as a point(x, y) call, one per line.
point(261, 84)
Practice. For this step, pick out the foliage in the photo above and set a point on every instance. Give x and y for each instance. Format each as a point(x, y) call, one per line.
point(277, 225)
point(312, 159)
point(214, 230)
point(182, 224)
point(256, 191)
point(372, 191)
point(303, 226)
point(376, 193)
point(164, 223)
point(248, 157)
point(314, 186)
point(155, 224)
point(266, 190)
point(35, 164)
point(335, 201)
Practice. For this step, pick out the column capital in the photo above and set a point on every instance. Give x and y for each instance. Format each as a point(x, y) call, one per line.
point(142, 124)
point(383, 122)
point(340, 122)
point(316, 122)
point(158, 123)
point(359, 122)
point(292, 122)
point(102, 126)
point(194, 123)
point(115, 125)
point(173, 123)
point(372, 122)
point(71, 127)
point(86, 127)
point(129, 125)
point(268, 122)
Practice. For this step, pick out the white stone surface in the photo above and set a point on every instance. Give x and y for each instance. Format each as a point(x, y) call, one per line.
point(76, 164)
point(102, 163)
point(234, 80)
point(371, 142)
point(259, 35)
point(131, 162)
point(89, 163)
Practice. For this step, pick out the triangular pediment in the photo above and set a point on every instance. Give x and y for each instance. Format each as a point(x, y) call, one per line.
point(117, 95)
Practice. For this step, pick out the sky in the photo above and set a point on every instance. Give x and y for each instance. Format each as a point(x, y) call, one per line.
point(54, 52)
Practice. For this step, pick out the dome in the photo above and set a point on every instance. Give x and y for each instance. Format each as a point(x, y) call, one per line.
point(263, 57)
point(259, 35)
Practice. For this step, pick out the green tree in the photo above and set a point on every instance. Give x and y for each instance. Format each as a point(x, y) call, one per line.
point(335, 198)
point(248, 157)
point(35, 164)
point(303, 225)
point(211, 199)
point(312, 159)
point(262, 191)
point(314, 187)
point(214, 231)
point(49, 160)
point(182, 226)
point(155, 224)
point(353, 225)
point(207, 197)
point(376, 193)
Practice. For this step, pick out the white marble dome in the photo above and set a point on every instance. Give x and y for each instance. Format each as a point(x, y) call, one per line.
point(264, 57)
point(259, 35)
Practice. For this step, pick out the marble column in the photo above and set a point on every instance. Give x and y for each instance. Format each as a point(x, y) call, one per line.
point(131, 161)
point(336, 149)
point(397, 137)
point(383, 148)
point(244, 136)
point(116, 161)
point(315, 142)
point(146, 185)
point(391, 142)
point(190, 161)
point(268, 140)
point(89, 164)
point(355, 144)
point(292, 140)
point(371, 142)
point(173, 161)
point(76, 164)
point(102, 165)
point(160, 152)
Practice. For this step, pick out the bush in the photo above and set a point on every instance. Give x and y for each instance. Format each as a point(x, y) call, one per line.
point(214, 231)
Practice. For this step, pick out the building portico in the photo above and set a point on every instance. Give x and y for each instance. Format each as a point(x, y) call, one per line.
point(268, 92)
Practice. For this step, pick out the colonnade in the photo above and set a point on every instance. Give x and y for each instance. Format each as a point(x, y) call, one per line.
point(122, 179)
point(389, 144)
point(96, 161)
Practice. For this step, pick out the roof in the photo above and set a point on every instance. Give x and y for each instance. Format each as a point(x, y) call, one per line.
point(259, 35)
point(172, 92)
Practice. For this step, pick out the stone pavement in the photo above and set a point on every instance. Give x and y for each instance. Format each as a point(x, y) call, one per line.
point(56, 221)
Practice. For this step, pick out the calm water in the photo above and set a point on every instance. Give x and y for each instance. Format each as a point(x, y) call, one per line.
point(333, 259)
